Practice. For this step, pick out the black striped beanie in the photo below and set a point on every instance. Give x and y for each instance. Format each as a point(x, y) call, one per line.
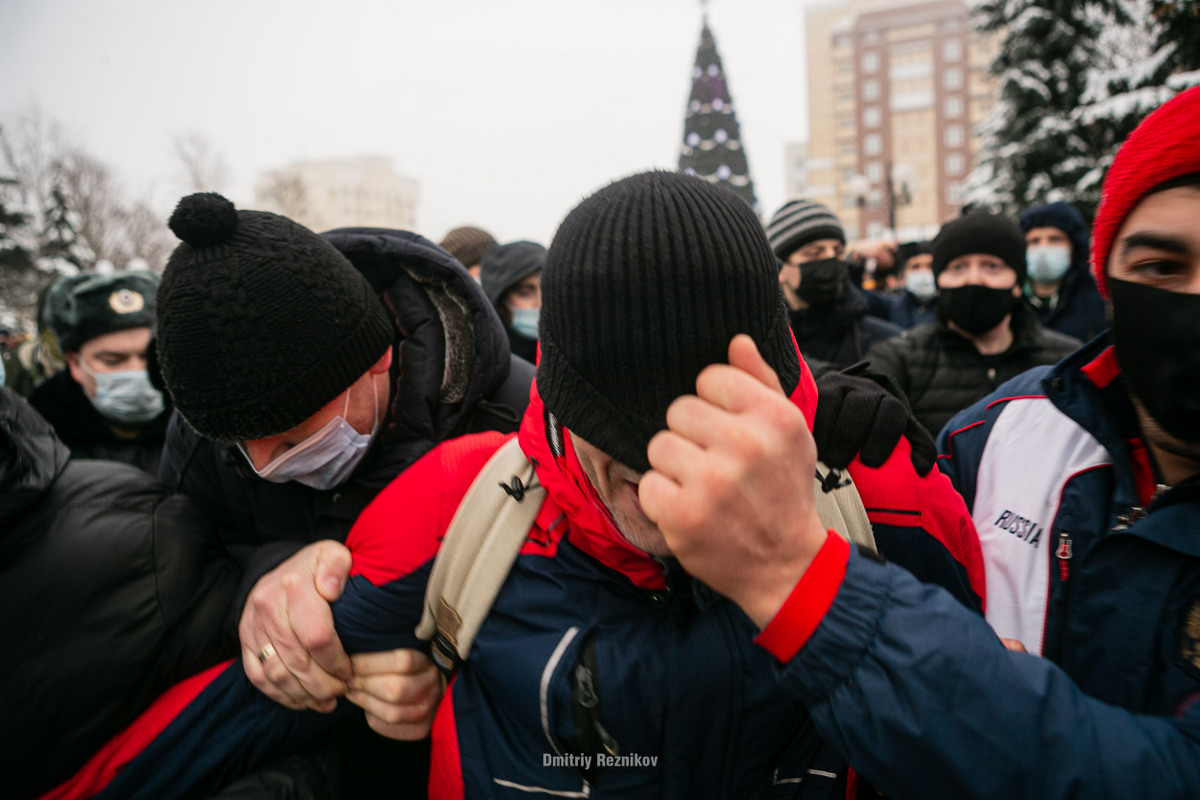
point(799, 222)
point(645, 284)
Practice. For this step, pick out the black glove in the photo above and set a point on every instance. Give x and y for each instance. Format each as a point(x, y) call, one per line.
point(865, 414)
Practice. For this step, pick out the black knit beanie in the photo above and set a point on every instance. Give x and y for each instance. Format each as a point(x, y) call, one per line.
point(505, 266)
point(645, 284)
point(261, 322)
point(980, 232)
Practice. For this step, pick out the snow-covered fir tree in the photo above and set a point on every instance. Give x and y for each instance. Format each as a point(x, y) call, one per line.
point(1150, 59)
point(712, 140)
point(1032, 145)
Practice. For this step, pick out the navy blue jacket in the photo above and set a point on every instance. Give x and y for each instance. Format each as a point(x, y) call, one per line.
point(1088, 564)
point(1079, 311)
point(680, 684)
point(908, 312)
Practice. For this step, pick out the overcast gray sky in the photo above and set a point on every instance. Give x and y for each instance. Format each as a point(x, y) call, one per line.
point(506, 111)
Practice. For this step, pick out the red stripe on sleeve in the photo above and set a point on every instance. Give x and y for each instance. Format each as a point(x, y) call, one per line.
point(799, 616)
point(100, 769)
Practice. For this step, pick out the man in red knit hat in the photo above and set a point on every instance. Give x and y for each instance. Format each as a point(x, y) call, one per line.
point(1084, 482)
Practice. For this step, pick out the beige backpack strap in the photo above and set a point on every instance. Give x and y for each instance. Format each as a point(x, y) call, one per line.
point(477, 552)
point(841, 508)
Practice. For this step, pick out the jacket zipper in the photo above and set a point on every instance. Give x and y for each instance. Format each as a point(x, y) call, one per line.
point(1063, 553)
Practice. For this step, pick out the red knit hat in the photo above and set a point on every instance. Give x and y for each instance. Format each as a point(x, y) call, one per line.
point(1165, 145)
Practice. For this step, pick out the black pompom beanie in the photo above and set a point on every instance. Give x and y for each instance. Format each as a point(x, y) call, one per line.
point(645, 284)
point(261, 322)
point(980, 232)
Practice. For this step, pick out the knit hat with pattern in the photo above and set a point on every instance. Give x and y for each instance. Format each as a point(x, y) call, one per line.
point(468, 244)
point(645, 284)
point(980, 232)
point(1165, 146)
point(799, 222)
point(261, 322)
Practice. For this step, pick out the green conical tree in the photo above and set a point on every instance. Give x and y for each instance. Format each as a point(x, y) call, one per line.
point(712, 144)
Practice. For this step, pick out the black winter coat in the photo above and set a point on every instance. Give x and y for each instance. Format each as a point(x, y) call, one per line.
point(452, 374)
point(111, 590)
point(81, 427)
point(840, 335)
point(942, 373)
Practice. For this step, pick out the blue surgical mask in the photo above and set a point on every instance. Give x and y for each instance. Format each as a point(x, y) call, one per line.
point(1048, 263)
point(525, 321)
point(921, 285)
point(125, 397)
point(325, 459)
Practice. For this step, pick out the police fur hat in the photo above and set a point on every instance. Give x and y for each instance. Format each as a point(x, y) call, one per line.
point(84, 306)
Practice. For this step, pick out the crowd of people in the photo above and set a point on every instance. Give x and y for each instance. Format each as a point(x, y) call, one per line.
point(224, 491)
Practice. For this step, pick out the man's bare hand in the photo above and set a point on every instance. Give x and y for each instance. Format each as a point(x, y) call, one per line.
point(731, 484)
point(399, 690)
point(289, 647)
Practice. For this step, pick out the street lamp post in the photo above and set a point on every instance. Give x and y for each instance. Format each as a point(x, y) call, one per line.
point(859, 187)
point(899, 181)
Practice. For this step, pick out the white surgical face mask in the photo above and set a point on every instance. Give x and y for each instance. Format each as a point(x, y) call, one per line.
point(921, 285)
point(325, 459)
point(125, 397)
point(525, 321)
point(1048, 263)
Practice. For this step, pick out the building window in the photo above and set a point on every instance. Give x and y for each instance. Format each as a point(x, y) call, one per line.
point(875, 171)
point(847, 174)
point(870, 90)
point(955, 164)
point(954, 107)
point(954, 193)
point(871, 117)
point(954, 136)
point(952, 78)
point(845, 122)
point(873, 144)
point(870, 62)
point(843, 40)
point(951, 50)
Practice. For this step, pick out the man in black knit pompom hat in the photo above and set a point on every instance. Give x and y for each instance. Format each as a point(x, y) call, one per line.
point(309, 371)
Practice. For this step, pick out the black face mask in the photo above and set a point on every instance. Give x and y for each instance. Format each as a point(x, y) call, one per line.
point(822, 283)
point(974, 308)
point(1156, 334)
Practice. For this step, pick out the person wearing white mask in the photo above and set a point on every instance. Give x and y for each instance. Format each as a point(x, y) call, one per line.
point(1059, 286)
point(512, 279)
point(308, 371)
point(104, 404)
point(916, 304)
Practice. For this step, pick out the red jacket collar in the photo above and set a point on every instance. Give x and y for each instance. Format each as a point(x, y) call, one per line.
point(590, 526)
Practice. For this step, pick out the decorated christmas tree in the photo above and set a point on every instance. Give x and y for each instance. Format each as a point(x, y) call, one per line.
point(712, 143)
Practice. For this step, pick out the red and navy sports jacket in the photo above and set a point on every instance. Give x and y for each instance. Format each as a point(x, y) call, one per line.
point(1072, 523)
point(692, 706)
